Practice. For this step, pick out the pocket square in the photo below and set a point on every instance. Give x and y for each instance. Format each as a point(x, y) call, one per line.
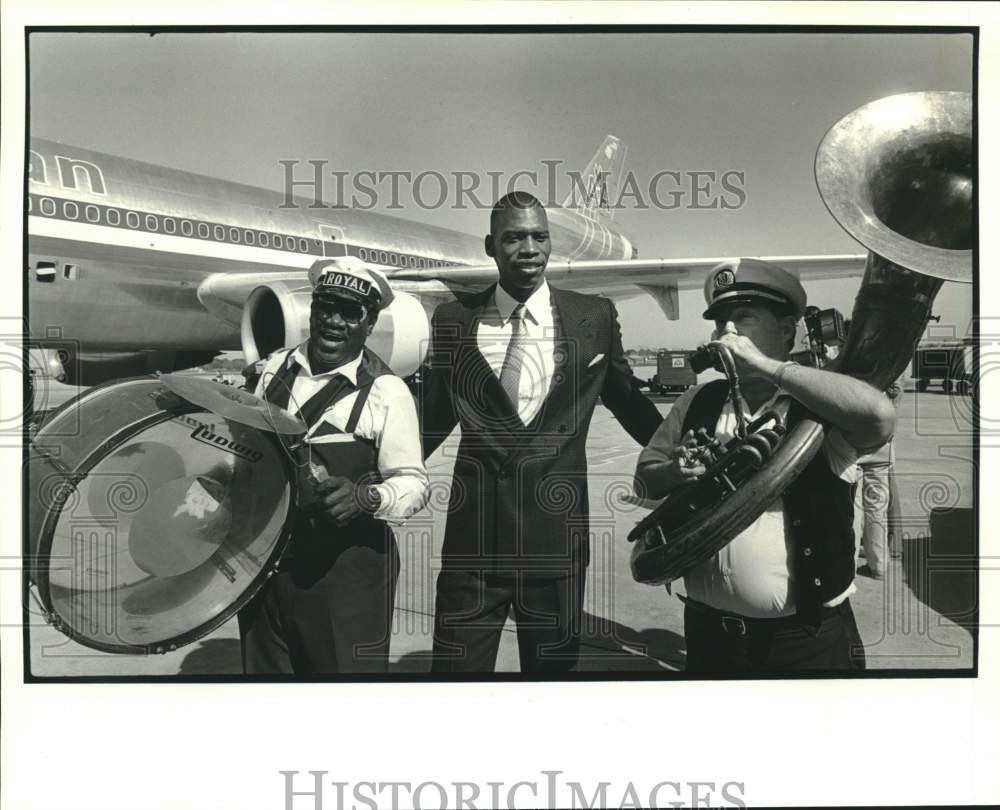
point(597, 359)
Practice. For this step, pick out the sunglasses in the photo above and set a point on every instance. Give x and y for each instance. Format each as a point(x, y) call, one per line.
point(349, 311)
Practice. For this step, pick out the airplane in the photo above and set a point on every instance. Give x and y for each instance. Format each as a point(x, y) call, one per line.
point(135, 268)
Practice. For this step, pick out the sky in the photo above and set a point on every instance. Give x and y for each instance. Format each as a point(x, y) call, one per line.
point(232, 105)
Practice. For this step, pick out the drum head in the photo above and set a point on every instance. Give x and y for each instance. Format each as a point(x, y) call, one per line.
point(156, 520)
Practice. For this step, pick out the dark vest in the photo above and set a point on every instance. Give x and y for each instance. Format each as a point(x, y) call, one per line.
point(356, 459)
point(820, 510)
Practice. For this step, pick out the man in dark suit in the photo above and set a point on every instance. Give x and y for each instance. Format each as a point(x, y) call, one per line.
point(520, 366)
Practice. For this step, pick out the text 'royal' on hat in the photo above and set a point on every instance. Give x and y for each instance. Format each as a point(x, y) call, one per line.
point(749, 281)
point(350, 277)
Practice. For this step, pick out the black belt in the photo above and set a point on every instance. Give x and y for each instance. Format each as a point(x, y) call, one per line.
point(734, 624)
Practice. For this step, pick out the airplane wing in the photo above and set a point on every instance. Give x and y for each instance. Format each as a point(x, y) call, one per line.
point(624, 278)
point(225, 294)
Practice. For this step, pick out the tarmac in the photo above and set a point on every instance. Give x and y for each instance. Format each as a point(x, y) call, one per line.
point(920, 617)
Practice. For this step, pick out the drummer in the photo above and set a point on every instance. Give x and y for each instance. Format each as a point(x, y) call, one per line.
point(328, 609)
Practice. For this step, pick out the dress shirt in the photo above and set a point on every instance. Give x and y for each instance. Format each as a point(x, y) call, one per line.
point(751, 575)
point(388, 418)
point(541, 321)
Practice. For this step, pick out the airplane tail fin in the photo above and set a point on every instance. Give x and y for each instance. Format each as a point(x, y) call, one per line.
point(592, 190)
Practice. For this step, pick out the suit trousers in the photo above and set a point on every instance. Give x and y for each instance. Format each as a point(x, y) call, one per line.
point(328, 609)
point(472, 608)
point(725, 644)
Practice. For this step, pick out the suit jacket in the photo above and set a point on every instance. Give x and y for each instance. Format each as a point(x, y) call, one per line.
point(519, 498)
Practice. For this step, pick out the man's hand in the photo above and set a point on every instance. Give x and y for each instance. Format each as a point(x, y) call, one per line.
point(342, 501)
point(660, 478)
point(751, 359)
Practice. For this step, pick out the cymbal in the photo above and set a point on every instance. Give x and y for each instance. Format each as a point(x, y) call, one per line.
point(234, 403)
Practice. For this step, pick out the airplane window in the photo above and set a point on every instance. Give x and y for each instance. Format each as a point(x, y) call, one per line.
point(303, 246)
point(187, 228)
point(169, 225)
point(249, 237)
point(219, 232)
point(290, 243)
point(392, 259)
point(234, 234)
point(92, 213)
point(70, 210)
point(203, 230)
point(152, 223)
point(71, 271)
point(420, 263)
point(276, 241)
point(113, 216)
point(48, 206)
point(413, 261)
point(30, 204)
point(264, 239)
point(132, 219)
point(382, 257)
point(363, 254)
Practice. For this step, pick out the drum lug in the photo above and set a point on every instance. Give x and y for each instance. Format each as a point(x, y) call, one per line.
point(50, 616)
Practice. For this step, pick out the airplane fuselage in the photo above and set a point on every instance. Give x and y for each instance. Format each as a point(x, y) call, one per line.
point(118, 248)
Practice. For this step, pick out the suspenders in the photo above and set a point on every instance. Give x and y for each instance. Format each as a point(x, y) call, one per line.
point(279, 392)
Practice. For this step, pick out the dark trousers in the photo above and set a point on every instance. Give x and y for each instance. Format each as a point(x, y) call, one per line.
point(725, 644)
point(328, 609)
point(471, 610)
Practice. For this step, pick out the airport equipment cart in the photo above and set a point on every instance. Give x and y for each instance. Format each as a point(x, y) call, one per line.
point(673, 372)
point(949, 362)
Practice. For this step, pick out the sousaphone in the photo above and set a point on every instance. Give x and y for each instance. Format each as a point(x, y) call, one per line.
point(897, 174)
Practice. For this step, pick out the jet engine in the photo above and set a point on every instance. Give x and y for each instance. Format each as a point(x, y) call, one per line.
point(277, 315)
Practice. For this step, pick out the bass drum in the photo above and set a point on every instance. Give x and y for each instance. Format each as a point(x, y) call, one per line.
point(150, 520)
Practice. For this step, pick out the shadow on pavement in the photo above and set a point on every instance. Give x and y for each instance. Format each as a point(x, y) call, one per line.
point(941, 570)
point(606, 646)
point(214, 656)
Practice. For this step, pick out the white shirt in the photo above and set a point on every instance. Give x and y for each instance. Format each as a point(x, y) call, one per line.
point(495, 329)
point(752, 575)
point(388, 418)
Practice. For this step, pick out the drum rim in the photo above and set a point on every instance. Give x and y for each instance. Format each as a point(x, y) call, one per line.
point(86, 394)
point(80, 471)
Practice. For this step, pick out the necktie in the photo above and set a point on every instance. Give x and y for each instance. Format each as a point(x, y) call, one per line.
point(510, 372)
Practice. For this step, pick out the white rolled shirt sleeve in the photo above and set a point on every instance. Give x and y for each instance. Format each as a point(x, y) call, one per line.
point(396, 433)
